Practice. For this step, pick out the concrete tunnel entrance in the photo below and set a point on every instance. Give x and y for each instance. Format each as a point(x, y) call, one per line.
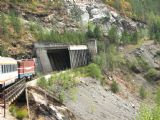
point(59, 59)
point(55, 57)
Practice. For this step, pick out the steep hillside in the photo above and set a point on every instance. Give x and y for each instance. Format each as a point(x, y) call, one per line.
point(24, 22)
point(127, 64)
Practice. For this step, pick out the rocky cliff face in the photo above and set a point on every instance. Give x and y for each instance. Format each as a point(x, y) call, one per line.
point(70, 15)
point(99, 13)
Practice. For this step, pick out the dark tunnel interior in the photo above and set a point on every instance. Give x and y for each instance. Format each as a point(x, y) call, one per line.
point(59, 59)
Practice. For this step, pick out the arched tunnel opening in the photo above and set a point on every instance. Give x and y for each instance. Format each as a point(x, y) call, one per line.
point(59, 59)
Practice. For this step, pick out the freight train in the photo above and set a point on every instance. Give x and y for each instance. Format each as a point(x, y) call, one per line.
point(12, 70)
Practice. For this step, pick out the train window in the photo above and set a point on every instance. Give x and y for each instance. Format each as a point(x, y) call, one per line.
point(12, 68)
point(0, 69)
point(3, 68)
point(7, 69)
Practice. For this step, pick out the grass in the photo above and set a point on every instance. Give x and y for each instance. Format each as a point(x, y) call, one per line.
point(142, 92)
point(114, 87)
point(66, 37)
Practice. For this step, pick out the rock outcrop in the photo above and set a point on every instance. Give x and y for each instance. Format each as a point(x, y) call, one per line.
point(99, 13)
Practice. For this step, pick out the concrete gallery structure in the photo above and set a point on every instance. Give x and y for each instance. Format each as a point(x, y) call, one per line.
point(56, 57)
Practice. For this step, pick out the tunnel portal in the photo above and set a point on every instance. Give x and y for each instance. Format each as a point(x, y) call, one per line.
point(59, 59)
point(56, 57)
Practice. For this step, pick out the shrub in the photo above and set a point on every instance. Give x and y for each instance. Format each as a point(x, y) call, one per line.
point(94, 71)
point(142, 92)
point(21, 114)
point(13, 110)
point(114, 87)
point(90, 32)
point(152, 75)
point(143, 64)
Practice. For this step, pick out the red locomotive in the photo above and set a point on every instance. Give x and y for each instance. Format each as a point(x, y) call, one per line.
point(26, 68)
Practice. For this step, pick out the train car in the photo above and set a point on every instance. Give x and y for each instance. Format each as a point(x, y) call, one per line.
point(26, 68)
point(8, 71)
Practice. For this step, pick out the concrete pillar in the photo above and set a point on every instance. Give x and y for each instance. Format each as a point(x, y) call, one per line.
point(44, 63)
point(92, 47)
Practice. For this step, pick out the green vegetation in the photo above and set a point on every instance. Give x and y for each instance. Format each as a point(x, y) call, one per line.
point(94, 31)
point(154, 29)
point(60, 83)
point(4, 25)
point(19, 113)
point(67, 37)
point(15, 22)
point(129, 38)
point(147, 113)
point(113, 58)
point(94, 71)
point(100, 60)
point(143, 64)
point(142, 92)
point(152, 75)
point(114, 87)
point(8, 22)
point(139, 64)
point(113, 35)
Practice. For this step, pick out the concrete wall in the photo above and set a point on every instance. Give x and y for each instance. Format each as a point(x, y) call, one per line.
point(43, 61)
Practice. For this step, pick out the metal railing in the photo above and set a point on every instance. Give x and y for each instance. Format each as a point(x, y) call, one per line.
point(8, 95)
